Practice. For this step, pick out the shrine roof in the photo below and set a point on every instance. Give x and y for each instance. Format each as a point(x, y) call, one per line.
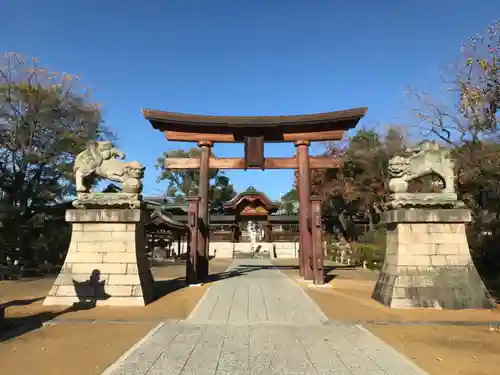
point(252, 196)
point(268, 126)
point(162, 218)
point(154, 202)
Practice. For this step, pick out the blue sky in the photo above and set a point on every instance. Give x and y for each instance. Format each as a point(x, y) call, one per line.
point(245, 57)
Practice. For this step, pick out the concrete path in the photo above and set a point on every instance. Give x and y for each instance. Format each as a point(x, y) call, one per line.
point(259, 322)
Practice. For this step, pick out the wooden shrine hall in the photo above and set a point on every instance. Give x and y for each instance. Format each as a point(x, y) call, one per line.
point(254, 132)
point(249, 225)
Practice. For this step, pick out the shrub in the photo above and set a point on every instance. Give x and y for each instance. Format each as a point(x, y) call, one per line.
point(371, 248)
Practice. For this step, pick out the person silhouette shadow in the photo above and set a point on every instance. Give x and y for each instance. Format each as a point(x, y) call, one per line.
point(91, 290)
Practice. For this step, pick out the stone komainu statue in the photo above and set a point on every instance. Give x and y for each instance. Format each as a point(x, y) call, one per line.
point(102, 159)
point(426, 159)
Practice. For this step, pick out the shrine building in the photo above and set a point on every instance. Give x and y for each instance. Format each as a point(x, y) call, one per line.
point(250, 222)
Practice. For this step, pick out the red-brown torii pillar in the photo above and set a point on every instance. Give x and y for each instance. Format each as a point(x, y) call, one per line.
point(304, 190)
point(316, 227)
point(203, 187)
point(193, 236)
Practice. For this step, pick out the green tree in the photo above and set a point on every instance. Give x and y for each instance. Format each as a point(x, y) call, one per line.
point(361, 186)
point(184, 182)
point(289, 202)
point(45, 120)
point(220, 192)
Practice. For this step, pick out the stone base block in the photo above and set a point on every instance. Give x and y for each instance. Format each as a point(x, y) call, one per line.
point(106, 262)
point(285, 250)
point(275, 249)
point(433, 287)
point(319, 286)
point(428, 263)
point(221, 249)
point(281, 250)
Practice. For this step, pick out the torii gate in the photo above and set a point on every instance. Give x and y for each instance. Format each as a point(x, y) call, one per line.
point(254, 131)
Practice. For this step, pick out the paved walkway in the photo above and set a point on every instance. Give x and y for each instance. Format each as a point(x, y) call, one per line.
point(259, 322)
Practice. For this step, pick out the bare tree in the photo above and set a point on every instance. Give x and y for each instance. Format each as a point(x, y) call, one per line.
point(467, 118)
point(45, 120)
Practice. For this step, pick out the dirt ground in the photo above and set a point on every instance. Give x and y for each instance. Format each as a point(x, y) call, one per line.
point(444, 350)
point(438, 349)
point(55, 349)
point(94, 346)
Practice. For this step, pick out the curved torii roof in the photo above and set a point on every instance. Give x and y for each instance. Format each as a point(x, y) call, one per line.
point(191, 127)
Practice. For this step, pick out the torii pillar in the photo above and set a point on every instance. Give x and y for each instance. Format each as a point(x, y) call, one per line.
point(304, 188)
point(203, 186)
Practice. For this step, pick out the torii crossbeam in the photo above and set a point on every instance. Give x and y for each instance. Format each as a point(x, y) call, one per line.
point(254, 132)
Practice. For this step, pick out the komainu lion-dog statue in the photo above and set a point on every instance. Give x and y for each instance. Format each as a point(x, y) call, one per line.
point(428, 158)
point(103, 159)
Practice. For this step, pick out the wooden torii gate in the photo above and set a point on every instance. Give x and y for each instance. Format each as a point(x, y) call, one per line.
point(254, 131)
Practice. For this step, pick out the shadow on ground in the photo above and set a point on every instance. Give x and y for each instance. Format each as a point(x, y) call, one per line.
point(328, 269)
point(164, 287)
point(296, 267)
point(492, 283)
point(11, 327)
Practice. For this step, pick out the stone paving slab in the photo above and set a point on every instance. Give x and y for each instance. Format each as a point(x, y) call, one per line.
point(255, 294)
point(260, 322)
point(199, 349)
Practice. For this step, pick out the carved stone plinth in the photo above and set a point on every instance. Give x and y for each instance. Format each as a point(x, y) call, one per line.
point(108, 200)
point(423, 200)
point(106, 261)
point(428, 263)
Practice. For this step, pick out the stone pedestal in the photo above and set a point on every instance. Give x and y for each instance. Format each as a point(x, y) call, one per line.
point(106, 261)
point(428, 263)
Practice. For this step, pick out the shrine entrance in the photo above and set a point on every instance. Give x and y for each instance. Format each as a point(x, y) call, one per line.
point(254, 132)
point(253, 222)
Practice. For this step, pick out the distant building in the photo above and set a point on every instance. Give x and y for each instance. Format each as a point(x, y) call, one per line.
point(278, 234)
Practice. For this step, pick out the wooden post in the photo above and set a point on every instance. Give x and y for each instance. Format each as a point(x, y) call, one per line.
point(268, 232)
point(203, 186)
point(317, 241)
point(234, 233)
point(254, 152)
point(179, 244)
point(192, 240)
point(304, 205)
point(151, 244)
